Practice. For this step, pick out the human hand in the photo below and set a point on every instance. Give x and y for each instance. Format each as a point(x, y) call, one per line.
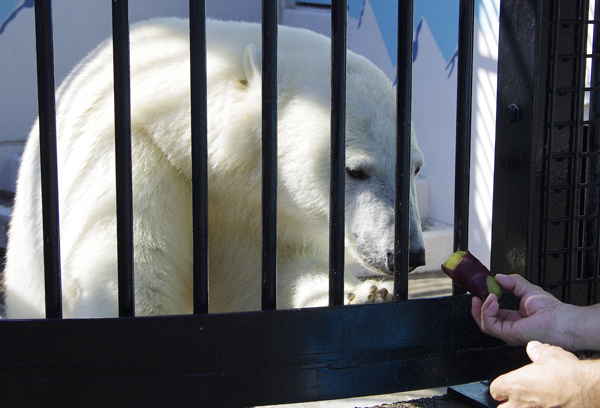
point(555, 378)
point(536, 319)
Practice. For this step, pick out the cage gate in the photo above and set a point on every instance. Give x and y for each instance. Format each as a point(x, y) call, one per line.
point(551, 126)
point(546, 154)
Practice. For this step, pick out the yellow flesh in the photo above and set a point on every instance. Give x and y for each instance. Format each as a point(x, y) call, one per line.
point(454, 260)
point(493, 286)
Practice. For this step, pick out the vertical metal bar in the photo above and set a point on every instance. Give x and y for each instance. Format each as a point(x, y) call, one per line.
point(463, 128)
point(198, 95)
point(339, 22)
point(403, 147)
point(269, 154)
point(550, 145)
point(576, 223)
point(120, 21)
point(48, 160)
point(525, 38)
point(593, 136)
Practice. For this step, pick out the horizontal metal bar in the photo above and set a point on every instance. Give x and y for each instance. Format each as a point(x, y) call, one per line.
point(301, 355)
point(574, 89)
point(577, 56)
point(572, 186)
point(568, 219)
point(567, 282)
point(574, 123)
point(569, 250)
point(570, 155)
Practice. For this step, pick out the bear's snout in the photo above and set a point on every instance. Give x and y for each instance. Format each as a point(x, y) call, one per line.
point(415, 259)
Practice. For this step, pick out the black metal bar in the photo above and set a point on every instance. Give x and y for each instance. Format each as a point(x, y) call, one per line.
point(269, 154)
point(576, 226)
point(464, 100)
point(48, 160)
point(542, 278)
point(339, 22)
point(594, 143)
point(322, 353)
point(198, 95)
point(120, 21)
point(403, 148)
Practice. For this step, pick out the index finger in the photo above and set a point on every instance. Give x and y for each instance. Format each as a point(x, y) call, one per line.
point(517, 284)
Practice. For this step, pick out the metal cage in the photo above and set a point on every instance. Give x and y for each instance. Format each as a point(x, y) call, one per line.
point(546, 155)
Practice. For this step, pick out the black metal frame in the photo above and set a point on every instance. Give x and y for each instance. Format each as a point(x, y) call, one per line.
point(244, 359)
point(48, 160)
point(198, 92)
point(547, 152)
point(255, 358)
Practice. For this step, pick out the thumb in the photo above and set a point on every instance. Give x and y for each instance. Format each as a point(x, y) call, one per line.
point(534, 350)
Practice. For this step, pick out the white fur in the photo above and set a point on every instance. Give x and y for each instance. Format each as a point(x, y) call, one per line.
point(162, 171)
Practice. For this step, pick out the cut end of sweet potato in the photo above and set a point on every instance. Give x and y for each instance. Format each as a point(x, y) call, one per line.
point(470, 273)
point(454, 260)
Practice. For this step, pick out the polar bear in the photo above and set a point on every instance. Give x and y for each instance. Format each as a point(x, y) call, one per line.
point(162, 204)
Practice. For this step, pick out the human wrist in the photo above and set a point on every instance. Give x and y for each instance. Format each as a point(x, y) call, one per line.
point(589, 328)
point(578, 328)
point(567, 327)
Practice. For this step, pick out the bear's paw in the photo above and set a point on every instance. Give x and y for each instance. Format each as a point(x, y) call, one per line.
point(370, 292)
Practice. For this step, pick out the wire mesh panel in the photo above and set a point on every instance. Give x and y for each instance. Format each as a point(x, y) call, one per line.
point(569, 255)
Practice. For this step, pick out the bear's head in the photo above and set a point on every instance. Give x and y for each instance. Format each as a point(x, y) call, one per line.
point(304, 153)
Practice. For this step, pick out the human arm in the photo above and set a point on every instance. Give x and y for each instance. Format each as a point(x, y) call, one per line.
point(555, 378)
point(540, 317)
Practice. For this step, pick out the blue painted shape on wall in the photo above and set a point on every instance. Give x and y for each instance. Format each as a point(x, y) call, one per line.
point(9, 10)
point(441, 16)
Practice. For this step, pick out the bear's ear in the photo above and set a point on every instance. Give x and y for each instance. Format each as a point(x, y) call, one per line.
point(252, 62)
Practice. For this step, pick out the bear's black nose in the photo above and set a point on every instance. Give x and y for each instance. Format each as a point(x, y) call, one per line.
point(415, 259)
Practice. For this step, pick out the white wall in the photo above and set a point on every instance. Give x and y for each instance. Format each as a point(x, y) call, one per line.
point(79, 26)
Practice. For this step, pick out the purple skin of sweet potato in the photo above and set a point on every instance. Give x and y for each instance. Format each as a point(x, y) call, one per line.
point(474, 277)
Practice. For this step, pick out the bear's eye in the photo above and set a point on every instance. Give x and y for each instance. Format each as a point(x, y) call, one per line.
point(417, 170)
point(356, 174)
